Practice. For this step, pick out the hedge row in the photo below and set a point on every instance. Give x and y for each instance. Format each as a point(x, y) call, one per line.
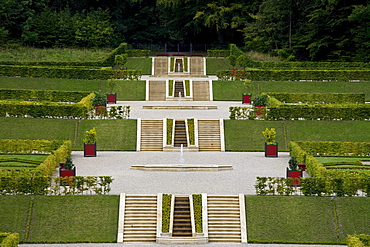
point(310, 75)
point(46, 185)
point(305, 153)
point(313, 186)
point(311, 65)
point(9, 239)
point(360, 240)
point(231, 75)
point(218, 53)
point(138, 53)
point(66, 72)
point(319, 97)
point(58, 152)
point(39, 95)
point(319, 112)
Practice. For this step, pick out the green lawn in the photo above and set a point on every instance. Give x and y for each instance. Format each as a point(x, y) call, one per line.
point(28, 161)
point(113, 134)
point(61, 218)
point(215, 64)
point(140, 63)
point(340, 159)
point(126, 90)
point(246, 135)
point(232, 90)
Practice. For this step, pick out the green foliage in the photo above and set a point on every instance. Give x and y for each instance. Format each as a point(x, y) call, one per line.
point(90, 136)
point(293, 164)
point(270, 135)
point(231, 75)
point(240, 113)
point(187, 87)
point(197, 202)
point(172, 64)
point(354, 241)
point(320, 97)
point(260, 100)
point(170, 126)
point(191, 131)
point(9, 239)
point(41, 95)
point(138, 53)
point(99, 99)
point(218, 53)
point(232, 60)
point(120, 60)
point(166, 212)
point(109, 60)
point(186, 64)
point(170, 87)
point(68, 165)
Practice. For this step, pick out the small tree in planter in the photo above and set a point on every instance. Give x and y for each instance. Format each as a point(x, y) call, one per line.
point(260, 101)
point(246, 98)
point(111, 96)
point(293, 172)
point(67, 169)
point(271, 146)
point(99, 102)
point(90, 143)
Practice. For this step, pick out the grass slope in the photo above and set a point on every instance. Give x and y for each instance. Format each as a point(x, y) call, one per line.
point(246, 135)
point(140, 63)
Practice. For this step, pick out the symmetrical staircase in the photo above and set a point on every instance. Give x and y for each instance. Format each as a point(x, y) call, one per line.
point(178, 65)
point(201, 91)
point(181, 217)
point(140, 218)
point(224, 219)
point(157, 90)
point(179, 89)
point(180, 134)
point(209, 137)
point(151, 135)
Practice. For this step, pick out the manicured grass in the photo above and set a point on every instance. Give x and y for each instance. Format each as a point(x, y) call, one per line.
point(215, 64)
point(340, 159)
point(37, 128)
point(246, 135)
point(29, 54)
point(21, 165)
point(353, 215)
point(290, 219)
point(74, 219)
point(232, 90)
point(140, 63)
point(37, 157)
point(113, 134)
point(126, 90)
point(13, 214)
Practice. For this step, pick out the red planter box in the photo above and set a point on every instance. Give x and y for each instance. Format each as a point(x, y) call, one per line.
point(112, 98)
point(100, 109)
point(271, 150)
point(302, 167)
point(260, 110)
point(67, 173)
point(89, 150)
point(296, 175)
point(246, 98)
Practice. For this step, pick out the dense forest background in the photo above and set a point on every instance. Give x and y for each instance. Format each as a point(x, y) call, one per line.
point(317, 30)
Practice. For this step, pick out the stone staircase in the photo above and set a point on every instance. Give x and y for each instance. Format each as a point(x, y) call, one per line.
point(151, 135)
point(224, 219)
point(180, 134)
point(179, 89)
point(157, 90)
point(209, 137)
point(140, 218)
point(201, 91)
point(197, 66)
point(160, 66)
point(182, 217)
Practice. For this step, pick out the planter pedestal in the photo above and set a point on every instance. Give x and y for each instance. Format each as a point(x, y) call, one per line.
point(112, 98)
point(296, 175)
point(67, 173)
point(246, 98)
point(271, 150)
point(89, 150)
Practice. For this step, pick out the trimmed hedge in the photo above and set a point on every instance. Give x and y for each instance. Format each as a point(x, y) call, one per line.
point(305, 152)
point(313, 186)
point(166, 212)
point(9, 239)
point(109, 61)
point(265, 65)
point(360, 240)
point(319, 97)
point(39, 95)
point(198, 212)
point(138, 53)
point(13, 184)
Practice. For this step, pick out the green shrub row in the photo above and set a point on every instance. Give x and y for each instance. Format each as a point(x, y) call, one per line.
point(319, 97)
point(218, 53)
point(191, 130)
point(138, 53)
point(313, 186)
point(231, 75)
point(242, 113)
point(266, 65)
point(127, 74)
point(234, 50)
point(9, 239)
point(309, 75)
point(58, 152)
point(46, 185)
point(360, 240)
point(170, 126)
point(320, 112)
point(305, 153)
point(166, 212)
point(197, 204)
point(109, 60)
point(40, 95)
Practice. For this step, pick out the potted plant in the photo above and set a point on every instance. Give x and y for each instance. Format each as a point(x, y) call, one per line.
point(90, 143)
point(293, 172)
point(260, 101)
point(67, 169)
point(99, 102)
point(246, 98)
point(271, 146)
point(112, 97)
